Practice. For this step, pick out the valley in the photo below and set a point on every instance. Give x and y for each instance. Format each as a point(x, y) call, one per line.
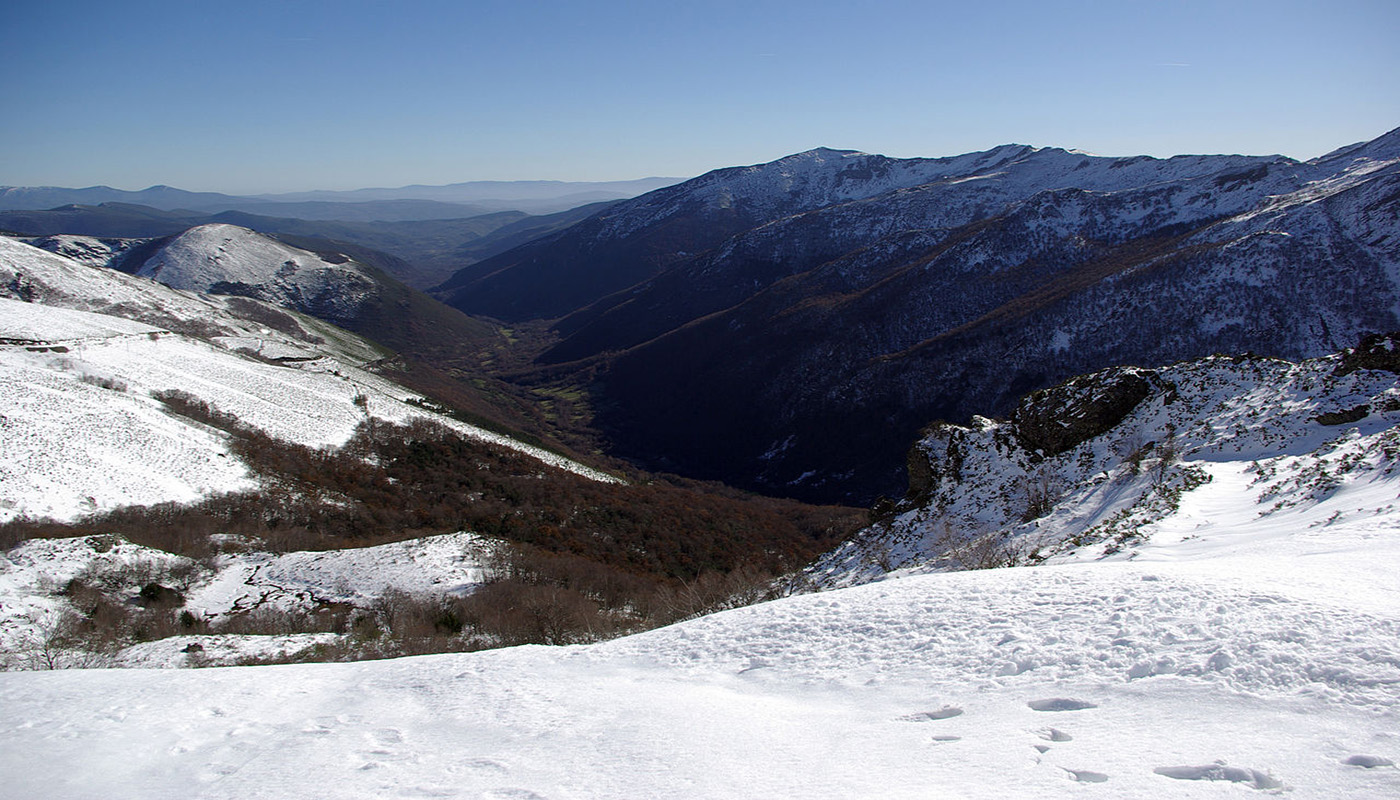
point(1018, 471)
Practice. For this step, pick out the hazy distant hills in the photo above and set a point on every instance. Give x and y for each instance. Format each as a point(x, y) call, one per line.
point(421, 253)
point(427, 232)
point(416, 202)
point(791, 326)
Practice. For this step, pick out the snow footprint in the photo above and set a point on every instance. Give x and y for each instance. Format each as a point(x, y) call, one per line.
point(944, 739)
point(1053, 735)
point(386, 743)
point(486, 766)
point(387, 736)
point(946, 712)
point(1085, 776)
point(1061, 704)
point(1369, 762)
point(1220, 772)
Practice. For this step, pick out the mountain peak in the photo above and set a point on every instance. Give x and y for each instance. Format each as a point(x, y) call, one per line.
point(827, 152)
point(1383, 147)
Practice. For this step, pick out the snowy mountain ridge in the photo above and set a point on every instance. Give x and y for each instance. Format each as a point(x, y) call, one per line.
point(1107, 464)
point(824, 177)
point(83, 349)
point(1001, 272)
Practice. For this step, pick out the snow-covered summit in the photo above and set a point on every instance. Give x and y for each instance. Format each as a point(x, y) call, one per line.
point(1383, 148)
point(227, 259)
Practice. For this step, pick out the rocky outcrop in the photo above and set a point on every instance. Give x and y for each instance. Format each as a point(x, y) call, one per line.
point(1054, 420)
point(1379, 351)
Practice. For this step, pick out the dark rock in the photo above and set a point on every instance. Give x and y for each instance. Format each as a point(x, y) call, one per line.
point(154, 595)
point(1060, 418)
point(1343, 417)
point(1378, 351)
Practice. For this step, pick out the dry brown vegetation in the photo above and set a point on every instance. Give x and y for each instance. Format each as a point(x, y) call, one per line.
point(584, 560)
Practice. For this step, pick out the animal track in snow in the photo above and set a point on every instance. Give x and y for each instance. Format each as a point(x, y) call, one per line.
point(946, 712)
point(1368, 762)
point(1054, 735)
point(1085, 776)
point(1061, 704)
point(1220, 772)
point(944, 739)
point(387, 736)
point(486, 765)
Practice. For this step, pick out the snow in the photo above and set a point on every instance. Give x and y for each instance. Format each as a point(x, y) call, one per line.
point(1201, 672)
point(1248, 639)
point(206, 256)
point(27, 321)
point(72, 446)
point(35, 574)
point(82, 433)
point(195, 651)
point(32, 574)
point(1225, 419)
point(448, 564)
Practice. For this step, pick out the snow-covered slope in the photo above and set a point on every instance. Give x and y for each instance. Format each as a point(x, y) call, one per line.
point(35, 578)
point(32, 275)
point(83, 433)
point(447, 564)
point(1229, 663)
point(1110, 463)
point(227, 259)
point(1214, 612)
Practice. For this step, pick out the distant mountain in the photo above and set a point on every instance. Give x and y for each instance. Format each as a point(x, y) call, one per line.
point(487, 192)
point(790, 326)
point(453, 201)
point(33, 198)
point(421, 253)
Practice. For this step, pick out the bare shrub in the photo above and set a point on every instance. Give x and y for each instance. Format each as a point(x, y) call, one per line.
point(59, 639)
point(103, 382)
point(1043, 490)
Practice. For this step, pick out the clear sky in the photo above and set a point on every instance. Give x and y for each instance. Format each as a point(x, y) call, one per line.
point(247, 96)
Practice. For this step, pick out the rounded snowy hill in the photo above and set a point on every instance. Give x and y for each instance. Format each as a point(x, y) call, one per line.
point(227, 259)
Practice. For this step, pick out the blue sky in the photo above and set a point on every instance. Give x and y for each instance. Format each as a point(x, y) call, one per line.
point(254, 96)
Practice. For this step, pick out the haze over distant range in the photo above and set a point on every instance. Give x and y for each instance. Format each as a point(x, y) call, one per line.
point(261, 97)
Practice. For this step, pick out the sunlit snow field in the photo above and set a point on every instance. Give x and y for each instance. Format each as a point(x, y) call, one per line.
point(1235, 654)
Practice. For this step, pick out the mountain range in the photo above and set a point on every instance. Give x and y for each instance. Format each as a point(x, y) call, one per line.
point(417, 202)
point(790, 327)
point(419, 252)
point(1114, 561)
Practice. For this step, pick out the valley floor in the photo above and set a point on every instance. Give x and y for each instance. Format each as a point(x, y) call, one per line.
point(1232, 657)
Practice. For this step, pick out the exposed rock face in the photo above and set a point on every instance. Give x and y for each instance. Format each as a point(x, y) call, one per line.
point(1378, 351)
point(1054, 420)
point(1095, 463)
